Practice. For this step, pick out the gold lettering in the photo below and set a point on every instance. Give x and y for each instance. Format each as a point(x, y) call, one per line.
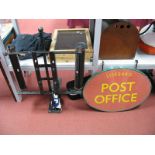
point(99, 99)
point(123, 88)
point(107, 98)
point(114, 85)
point(104, 86)
point(134, 97)
point(130, 85)
point(114, 98)
point(125, 100)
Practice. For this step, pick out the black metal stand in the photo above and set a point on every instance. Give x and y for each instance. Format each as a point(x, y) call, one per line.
point(16, 67)
point(78, 83)
point(79, 66)
point(55, 104)
point(53, 82)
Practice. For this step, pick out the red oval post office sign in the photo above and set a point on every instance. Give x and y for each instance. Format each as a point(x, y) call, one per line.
point(117, 90)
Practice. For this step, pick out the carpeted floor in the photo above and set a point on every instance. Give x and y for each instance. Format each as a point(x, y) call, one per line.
point(31, 115)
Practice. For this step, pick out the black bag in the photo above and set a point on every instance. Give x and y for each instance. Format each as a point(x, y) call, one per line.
point(27, 42)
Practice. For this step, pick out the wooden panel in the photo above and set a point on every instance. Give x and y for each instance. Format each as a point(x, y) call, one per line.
point(119, 41)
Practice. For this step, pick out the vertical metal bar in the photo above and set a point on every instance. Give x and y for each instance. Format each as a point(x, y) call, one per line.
point(136, 65)
point(16, 67)
point(79, 68)
point(47, 73)
point(42, 44)
point(102, 65)
point(91, 29)
point(7, 72)
point(97, 36)
point(54, 73)
point(7, 81)
point(35, 62)
point(55, 104)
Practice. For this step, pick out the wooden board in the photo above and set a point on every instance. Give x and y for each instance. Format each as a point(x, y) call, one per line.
point(119, 41)
point(67, 39)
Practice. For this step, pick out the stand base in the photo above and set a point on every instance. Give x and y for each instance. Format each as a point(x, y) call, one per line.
point(55, 105)
point(70, 88)
point(54, 109)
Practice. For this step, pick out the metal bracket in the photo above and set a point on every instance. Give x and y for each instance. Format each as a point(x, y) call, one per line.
point(102, 65)
point(136, 65)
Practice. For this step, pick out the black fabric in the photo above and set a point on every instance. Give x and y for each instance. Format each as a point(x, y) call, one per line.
point(26, 42)
point(149, 74)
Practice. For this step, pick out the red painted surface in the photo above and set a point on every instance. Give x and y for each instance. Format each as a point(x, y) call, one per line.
point(30, 26)
point(72, 23)
point(140, 22)
point(117, 90)
point(31, 115)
